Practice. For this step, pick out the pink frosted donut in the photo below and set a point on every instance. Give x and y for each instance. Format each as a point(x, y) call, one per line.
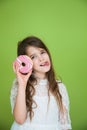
point(25, 63)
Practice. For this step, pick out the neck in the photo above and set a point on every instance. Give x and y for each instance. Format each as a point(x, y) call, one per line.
point(40, 76)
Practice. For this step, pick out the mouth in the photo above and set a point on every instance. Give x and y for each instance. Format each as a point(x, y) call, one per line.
point(45, 64)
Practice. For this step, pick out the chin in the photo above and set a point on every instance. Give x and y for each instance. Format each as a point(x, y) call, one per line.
point(47, 70)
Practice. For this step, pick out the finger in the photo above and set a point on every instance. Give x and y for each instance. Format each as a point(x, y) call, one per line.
point(14, 67)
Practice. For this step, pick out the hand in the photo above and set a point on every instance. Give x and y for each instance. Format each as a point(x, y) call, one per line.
point(21, 78)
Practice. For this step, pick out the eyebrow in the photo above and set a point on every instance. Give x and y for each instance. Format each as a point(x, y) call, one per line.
point(39, 50)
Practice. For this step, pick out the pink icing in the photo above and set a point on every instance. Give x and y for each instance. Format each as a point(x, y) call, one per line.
point(25, 64)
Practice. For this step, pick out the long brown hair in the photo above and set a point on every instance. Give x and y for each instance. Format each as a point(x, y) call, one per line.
point(53, 85)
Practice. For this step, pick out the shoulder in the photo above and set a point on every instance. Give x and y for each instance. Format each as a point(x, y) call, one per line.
point(62, 88)
point(14, 87)
point(14, 90)
point(61, 85)
point(64, 93)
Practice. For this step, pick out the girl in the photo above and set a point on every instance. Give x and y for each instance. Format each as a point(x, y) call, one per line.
point(38, 100)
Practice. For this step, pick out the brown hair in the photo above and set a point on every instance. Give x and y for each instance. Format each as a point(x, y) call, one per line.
point(53, 84)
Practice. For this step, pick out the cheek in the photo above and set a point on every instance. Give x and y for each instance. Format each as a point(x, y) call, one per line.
point(35, 64)
point(48, 58)
point(49, 61)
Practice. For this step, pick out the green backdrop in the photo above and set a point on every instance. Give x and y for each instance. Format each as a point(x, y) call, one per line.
point(62, 25)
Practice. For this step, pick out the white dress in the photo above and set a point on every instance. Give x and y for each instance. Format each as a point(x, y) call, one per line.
point(46, 115)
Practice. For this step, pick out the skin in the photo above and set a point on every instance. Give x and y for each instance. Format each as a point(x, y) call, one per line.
point(41, 65)
point(41, 61)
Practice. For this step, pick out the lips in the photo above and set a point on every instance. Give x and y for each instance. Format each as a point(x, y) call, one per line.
point(45, 64)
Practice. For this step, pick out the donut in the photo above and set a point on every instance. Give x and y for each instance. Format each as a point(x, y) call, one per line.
point(25, 64)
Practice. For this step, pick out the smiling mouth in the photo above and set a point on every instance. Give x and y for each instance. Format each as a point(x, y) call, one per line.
point(45, 64)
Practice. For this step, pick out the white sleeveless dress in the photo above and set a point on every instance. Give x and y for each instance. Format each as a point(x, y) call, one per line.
point(46, 115)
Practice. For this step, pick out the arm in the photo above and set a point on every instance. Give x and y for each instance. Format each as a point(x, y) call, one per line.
point(19, 110)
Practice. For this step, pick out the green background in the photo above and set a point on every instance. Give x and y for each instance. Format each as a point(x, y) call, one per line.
point(62, 25)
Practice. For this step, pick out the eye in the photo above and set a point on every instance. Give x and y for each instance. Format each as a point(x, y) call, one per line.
point(42, 52)
point(33, 57)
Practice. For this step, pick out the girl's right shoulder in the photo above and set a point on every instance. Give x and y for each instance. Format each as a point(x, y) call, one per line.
point(14, 87)
point(15, 81)
point(13, 94)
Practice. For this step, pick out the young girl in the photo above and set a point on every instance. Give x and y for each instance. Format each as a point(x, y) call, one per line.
point(38, 100)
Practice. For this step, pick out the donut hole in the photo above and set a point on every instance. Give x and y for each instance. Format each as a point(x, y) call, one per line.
point(23, 64)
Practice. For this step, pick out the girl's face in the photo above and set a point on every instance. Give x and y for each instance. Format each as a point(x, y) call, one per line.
point(41, 61)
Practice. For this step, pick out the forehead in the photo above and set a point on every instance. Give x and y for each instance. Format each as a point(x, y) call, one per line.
point(33, 50)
